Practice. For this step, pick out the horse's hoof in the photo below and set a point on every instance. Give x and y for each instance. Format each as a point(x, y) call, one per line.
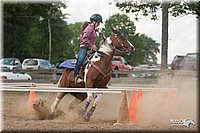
point(51, 116)
point(86, 118)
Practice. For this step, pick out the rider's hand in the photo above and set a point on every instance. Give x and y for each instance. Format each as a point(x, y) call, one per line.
point(94, 48)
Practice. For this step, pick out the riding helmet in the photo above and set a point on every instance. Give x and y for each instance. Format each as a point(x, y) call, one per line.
point(97, 18)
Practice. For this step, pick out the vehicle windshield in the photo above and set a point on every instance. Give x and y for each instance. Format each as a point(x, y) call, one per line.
point(116, 59)
point(31, 62)
point(7, 62)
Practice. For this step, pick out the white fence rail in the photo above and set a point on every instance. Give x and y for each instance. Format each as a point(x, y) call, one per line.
point(54, 88)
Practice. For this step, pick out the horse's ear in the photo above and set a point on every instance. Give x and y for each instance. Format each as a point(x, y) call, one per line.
point(115, 31)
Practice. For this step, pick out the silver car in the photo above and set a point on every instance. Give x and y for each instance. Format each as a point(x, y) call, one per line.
point(10, 63)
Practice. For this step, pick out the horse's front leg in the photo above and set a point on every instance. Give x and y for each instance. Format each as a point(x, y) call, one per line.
point(89, 84)
point(97, 98)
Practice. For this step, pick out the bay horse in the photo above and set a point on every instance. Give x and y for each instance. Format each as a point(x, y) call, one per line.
point(97, 74)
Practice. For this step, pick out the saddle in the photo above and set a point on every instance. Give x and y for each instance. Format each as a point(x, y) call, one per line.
point(70, 64)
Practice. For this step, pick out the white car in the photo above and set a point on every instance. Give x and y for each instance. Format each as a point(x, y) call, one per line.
point(36, 64)
point(14, 76)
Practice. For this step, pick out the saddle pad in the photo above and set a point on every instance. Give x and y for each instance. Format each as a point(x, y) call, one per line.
point(68, 64)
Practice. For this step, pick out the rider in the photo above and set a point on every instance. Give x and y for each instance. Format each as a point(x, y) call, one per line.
point(87, 42)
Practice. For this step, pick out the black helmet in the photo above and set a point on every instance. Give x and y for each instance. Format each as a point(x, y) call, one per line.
point(96, 17)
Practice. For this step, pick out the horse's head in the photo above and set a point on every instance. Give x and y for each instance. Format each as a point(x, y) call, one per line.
point(120, 43)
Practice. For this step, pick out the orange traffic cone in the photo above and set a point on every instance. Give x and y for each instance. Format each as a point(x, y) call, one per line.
point(132, 107)
point(123, 117)
point(31, 99)
point(139, 96)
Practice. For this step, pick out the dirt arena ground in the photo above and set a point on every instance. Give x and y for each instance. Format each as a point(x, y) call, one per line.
point(155, 112)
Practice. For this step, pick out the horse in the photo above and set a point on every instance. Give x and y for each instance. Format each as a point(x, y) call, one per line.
point(97, 74)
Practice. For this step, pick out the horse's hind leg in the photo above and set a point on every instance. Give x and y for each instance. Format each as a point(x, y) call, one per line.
point(59, 96)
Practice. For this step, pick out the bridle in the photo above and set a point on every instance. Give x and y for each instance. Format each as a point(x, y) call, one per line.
point(119, 42)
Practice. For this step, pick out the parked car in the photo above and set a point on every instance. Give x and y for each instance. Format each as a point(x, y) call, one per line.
point(36, 64)
point(190, 62)
point(176, 63)
point(138, 75)
point(14, 76)
point(154, 71)
point(147, 71)
point(10, 63)
point(119, 63)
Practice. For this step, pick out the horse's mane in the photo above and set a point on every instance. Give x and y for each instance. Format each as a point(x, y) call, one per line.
point(105, 47)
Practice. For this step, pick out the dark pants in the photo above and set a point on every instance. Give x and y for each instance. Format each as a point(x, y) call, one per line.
point(81, 56)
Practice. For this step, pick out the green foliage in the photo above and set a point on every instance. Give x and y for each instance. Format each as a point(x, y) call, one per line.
point(74, 42)
point(146, 8)
point(26, 32)
point(139, 8)
point(146, 48)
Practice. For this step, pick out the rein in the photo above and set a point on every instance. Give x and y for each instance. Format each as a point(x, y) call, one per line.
point(105, 75)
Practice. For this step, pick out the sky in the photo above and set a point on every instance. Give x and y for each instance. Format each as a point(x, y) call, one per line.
point(182, 30)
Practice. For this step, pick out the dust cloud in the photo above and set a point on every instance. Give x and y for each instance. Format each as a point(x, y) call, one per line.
point(42, 110)
point(157, 107)
point(163, 105)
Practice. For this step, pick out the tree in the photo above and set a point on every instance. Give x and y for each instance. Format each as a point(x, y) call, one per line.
point(176, 8)
point(26, 30)
point(146, 8)
point(74, 42)
point(146, 48)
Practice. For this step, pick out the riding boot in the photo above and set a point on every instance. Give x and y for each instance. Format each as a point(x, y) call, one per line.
point(78, 79)
point(89, 113)
point(81, 73)
point(84, 109)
